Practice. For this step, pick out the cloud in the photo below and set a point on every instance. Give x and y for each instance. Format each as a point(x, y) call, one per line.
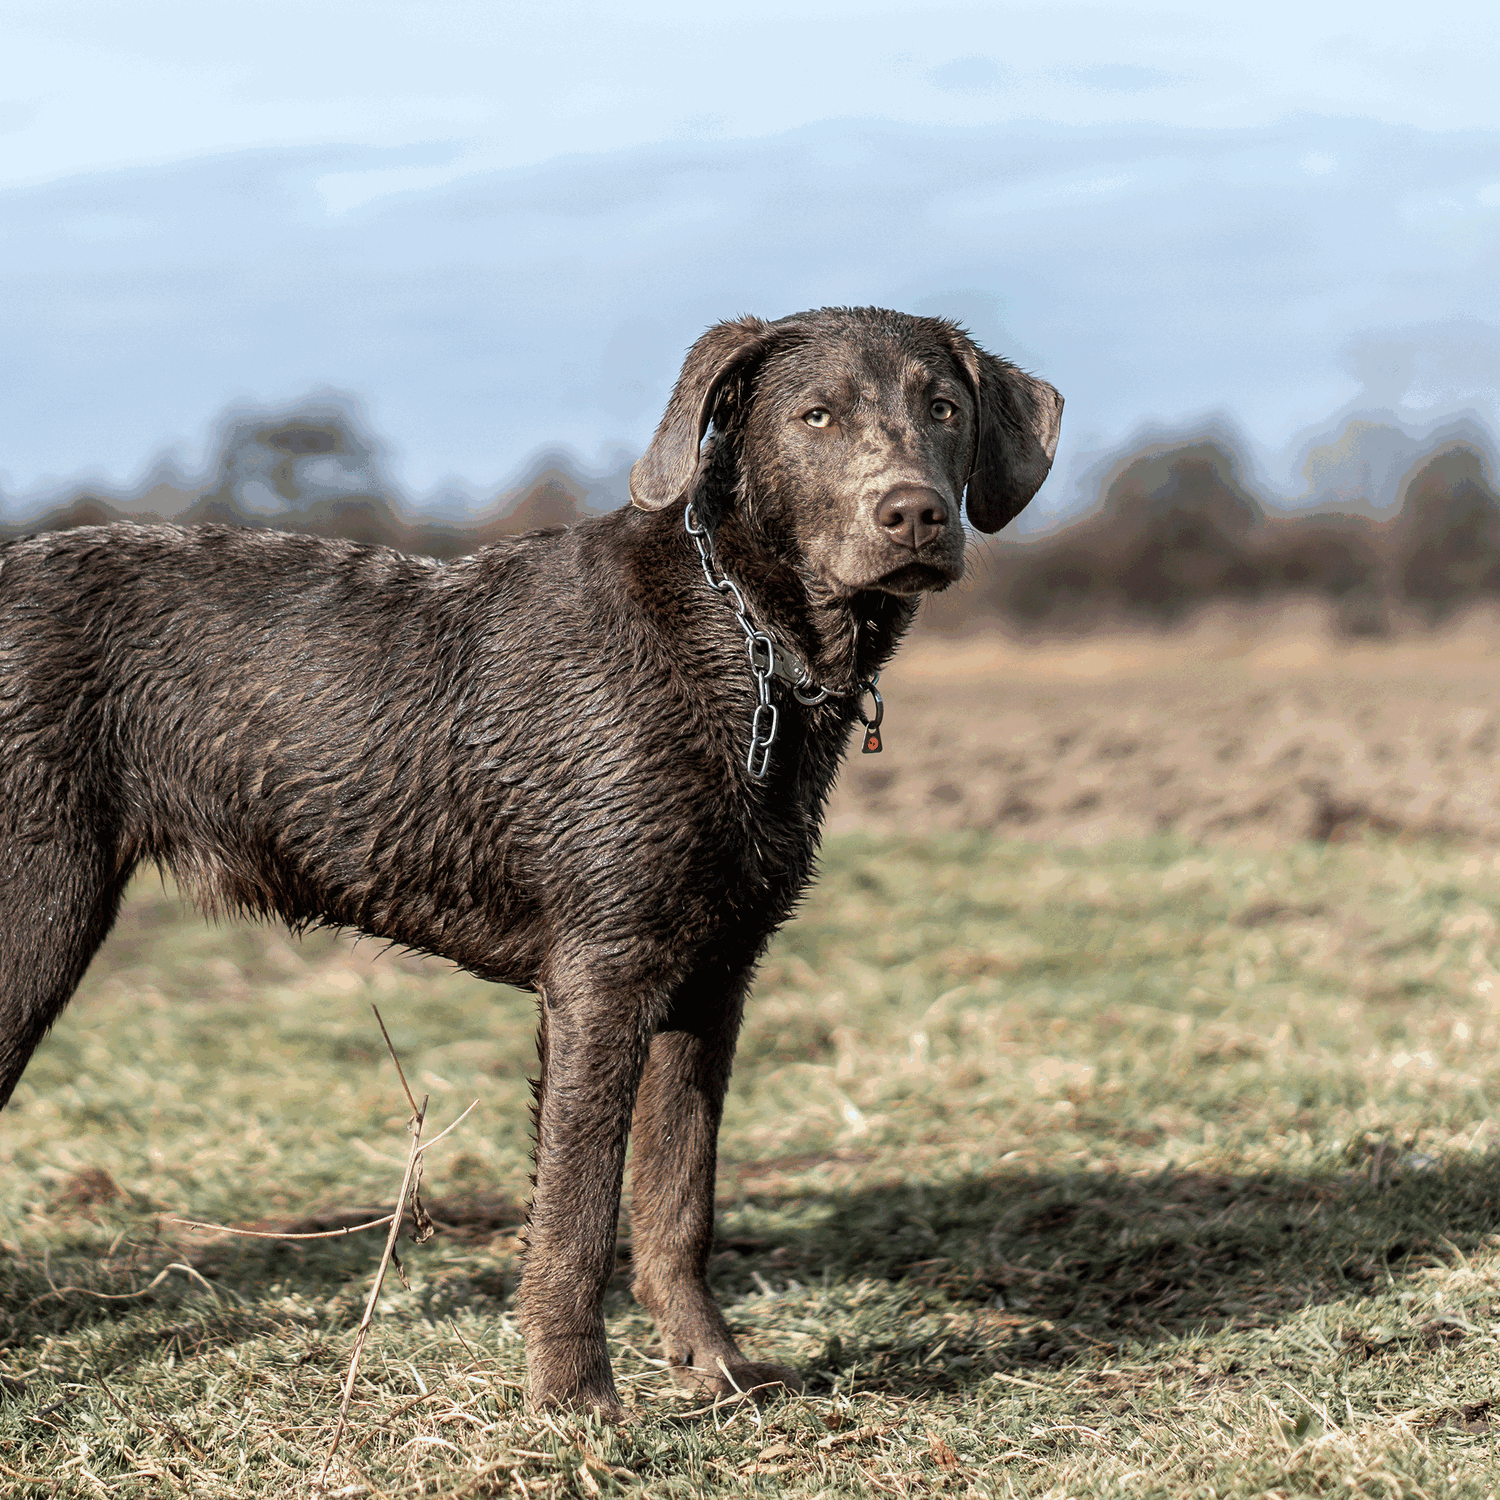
point(971, 75)
point(1124, 78)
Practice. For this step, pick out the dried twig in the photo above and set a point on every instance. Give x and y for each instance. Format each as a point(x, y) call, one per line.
point(87, 1291)
point(400, 1071)
point(264, 1234)
point(454, 1126)
point(406, 1199)
point(423, 1227)
point(413, 1164)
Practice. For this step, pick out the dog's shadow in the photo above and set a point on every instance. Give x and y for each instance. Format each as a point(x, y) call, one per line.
point(1053, 1266)
point(1049, 1266)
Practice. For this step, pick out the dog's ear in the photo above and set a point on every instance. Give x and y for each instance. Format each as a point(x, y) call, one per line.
point(1019, 418)
point(665, 472)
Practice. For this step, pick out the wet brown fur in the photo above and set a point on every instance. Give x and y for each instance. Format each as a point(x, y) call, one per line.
point(530, 761)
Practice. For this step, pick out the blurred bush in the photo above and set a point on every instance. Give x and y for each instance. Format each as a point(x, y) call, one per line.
point(1446, 542)
point(1179, 528)
point(1179, 525)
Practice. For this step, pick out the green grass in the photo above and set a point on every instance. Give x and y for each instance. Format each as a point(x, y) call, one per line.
point(1149, 1170)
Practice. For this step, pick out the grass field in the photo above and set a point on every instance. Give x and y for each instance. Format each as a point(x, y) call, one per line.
point(1142, 1170)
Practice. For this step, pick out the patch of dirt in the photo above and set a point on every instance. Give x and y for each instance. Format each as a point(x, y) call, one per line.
point(84, 1192)
point(1249, 729)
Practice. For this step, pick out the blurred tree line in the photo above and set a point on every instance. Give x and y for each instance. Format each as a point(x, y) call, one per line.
point(1178, 525)
point(315, 469)
point(1181, 528)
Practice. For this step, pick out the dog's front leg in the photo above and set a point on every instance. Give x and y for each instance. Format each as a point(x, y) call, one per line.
point(678, 1110)
point(593, 1043)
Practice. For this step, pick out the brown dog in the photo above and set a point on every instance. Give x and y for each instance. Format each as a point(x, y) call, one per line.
point(550, 762)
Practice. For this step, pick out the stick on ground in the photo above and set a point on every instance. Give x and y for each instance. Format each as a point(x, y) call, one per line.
point(413, 1163)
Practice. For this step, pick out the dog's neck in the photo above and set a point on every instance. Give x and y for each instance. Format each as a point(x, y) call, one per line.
point(843, 639)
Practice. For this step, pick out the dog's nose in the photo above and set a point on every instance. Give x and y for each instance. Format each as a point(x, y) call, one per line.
point(912, 515)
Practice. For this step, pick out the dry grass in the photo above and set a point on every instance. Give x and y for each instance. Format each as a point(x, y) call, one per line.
point(1154, 1170)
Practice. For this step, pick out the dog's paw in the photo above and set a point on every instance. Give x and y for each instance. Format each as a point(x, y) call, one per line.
point(591, 1399)
point(606, 1410)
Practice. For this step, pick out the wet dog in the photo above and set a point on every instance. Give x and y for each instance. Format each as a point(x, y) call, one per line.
point(591, 762)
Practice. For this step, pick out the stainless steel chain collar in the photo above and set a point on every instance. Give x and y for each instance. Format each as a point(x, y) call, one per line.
point(768, 660)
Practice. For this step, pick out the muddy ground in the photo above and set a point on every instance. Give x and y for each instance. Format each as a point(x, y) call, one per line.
point(1257, 729)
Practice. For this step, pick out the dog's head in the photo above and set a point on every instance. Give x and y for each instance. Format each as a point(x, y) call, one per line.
point(859, 432)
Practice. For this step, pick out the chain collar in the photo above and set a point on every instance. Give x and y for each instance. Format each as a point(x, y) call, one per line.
point(768, 660)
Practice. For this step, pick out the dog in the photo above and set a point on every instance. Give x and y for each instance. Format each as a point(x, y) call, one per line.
point(591, 762)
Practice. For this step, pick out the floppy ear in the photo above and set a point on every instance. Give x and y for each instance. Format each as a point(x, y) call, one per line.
point(665, 472)
point(1019, 418)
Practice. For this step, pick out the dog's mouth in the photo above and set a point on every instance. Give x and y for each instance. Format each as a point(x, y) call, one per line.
point(916, 578)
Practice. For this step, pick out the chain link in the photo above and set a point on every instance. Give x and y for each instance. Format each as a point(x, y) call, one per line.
point(760, 648)
point(766, 662)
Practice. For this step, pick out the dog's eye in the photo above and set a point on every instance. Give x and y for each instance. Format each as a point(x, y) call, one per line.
point(819, 416)
point(943, 410)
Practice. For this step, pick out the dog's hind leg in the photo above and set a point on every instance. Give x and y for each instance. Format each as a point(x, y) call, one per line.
point(58, 900)
point(678, 1110)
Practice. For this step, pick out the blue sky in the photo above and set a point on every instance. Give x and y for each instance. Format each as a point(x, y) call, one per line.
point(498, 226)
